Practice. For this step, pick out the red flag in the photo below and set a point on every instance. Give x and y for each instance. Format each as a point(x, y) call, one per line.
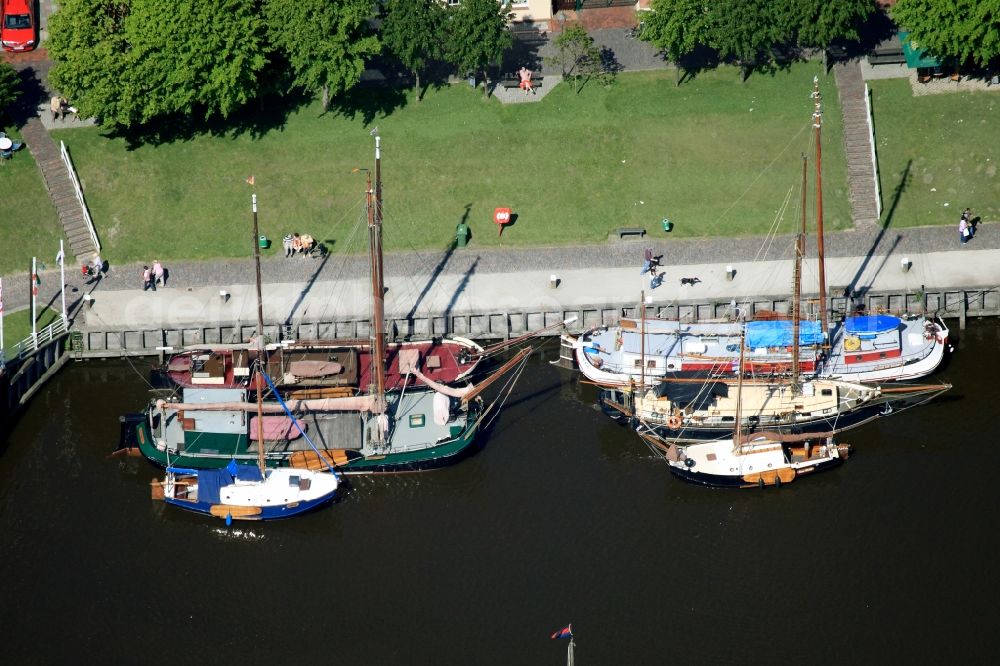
point(565, 632)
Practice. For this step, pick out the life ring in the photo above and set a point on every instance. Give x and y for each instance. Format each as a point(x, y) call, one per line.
point(852, 343)
point(674, 422)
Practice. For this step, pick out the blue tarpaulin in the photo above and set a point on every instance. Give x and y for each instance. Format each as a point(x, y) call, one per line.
point(779, 333)
point(871, 324)
point(210, 481)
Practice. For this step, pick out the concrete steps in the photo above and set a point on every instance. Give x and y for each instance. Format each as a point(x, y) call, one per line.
point(60, 187)
point(857, 144)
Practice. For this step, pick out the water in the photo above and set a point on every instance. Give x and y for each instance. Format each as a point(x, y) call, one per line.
point(562, 517)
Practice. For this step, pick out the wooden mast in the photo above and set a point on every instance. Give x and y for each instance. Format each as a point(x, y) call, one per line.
point(738, 423)
point(378, 281)
point(261, 360)
point(818, 123)
point(800, 250)
point(642, 342)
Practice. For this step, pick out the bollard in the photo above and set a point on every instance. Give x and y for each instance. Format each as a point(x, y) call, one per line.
point(88, 300)
point(730, 273)
point(224, 295)
point(905, 264)
point(553, 281)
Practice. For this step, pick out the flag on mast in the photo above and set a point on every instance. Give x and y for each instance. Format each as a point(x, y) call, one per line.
point(565, 632)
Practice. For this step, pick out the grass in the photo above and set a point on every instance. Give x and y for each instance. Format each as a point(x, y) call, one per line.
point(947, 147)
point(17, 325)
point(28, 220)
point(715, 156)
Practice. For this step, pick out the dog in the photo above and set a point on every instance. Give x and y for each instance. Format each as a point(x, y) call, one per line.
point(691, 281)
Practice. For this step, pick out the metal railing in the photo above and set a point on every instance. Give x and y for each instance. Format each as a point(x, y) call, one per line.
point(79, 194)
point(45, 336)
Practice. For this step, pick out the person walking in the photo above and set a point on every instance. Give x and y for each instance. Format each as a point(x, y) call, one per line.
point(963, 230)
point(967, 216)
point(286, 243)
point(159, 275)
point(147, 279)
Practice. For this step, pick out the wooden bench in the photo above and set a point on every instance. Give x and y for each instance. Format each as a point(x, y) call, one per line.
point(508, 83)
point(630, 231)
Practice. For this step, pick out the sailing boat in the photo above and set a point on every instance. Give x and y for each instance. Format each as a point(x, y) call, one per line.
point(248, 492)
point(698, 410)
point(420, 424)
point(748, 460)
point(863, 348)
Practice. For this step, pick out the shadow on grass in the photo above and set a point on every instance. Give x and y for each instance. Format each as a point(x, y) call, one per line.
point(255, 119)
point(897, 194)
point(369, 101)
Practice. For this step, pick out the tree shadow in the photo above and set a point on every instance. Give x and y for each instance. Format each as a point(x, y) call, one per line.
point(369, 101)
point(257, 118)
point(701, 59)
point(524, 52)
point(32, 95)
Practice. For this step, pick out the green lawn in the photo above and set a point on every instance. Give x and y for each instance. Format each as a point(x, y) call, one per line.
point(28, 221)
point(714, 156)
point(17, 325)
point(949, 147)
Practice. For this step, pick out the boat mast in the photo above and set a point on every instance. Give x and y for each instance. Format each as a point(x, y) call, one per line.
point(261, 361)
point(818, 123)
point(642, 341)
point(800, 250)
point(738, 423)
point(378, 280)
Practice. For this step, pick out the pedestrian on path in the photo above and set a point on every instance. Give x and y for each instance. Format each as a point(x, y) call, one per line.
point(967, 216)
point(147, 279)
point(964, 230)
point(159, 274)
point(647, 262)
point(286, 243)
point(96, 269)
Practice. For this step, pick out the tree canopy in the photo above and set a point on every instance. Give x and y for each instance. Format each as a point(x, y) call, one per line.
point(749, 31)
point(9, 83)
point(412, 31)
point(478, 36)
point(959, 29)
point(130, 61)
point(325, 42)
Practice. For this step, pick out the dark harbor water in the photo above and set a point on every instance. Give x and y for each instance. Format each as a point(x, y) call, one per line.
point(562, 517)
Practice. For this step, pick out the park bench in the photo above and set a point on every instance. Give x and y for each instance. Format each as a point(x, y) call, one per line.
point(630, 231)
point(515, 82)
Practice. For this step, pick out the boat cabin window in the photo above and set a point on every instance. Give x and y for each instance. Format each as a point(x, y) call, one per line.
point(826, 391)
point(417, 420)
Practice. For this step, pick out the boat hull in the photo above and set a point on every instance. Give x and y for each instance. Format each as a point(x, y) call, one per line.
point(751, 481)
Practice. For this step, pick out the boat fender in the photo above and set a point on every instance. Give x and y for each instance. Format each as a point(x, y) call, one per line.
point(777, 481)
point(674, 422)
point(229, 520)
point(852, 343)
point(760, 482)
point(688, 462)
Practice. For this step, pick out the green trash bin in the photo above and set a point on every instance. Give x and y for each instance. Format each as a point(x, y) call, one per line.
point(667, 224)
point(264, 242)
point(461, 235)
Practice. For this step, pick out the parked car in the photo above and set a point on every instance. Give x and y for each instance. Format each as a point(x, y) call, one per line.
point(17, 29)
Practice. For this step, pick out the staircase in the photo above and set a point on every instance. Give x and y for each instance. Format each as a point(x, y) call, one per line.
point(857, 144)
point(61, 189)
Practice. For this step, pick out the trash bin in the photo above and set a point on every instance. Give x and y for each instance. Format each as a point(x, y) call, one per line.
point(472, 80)
point(667, 224)
point(264, 242)
point(461, 235)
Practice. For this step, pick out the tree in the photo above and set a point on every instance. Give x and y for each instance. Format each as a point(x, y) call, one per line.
point(326, 42)
point(9, 86)
point(578, 57)
point(818, 23)
point(478, 36)
point(412, 31)
point(676, 27)
point(960, 29)
point(747, 30)
point(87, 41)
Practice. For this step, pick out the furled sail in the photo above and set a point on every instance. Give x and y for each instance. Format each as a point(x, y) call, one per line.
point(362, 403)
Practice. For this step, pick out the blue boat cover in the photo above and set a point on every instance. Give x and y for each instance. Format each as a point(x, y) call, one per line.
point(243, 472)
point(779, 333)
point(871, 324)
point(210, 481)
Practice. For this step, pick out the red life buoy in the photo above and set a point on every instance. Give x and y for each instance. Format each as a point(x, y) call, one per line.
point(674, 422)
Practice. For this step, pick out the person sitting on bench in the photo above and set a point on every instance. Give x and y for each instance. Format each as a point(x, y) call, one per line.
point(525, 84)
